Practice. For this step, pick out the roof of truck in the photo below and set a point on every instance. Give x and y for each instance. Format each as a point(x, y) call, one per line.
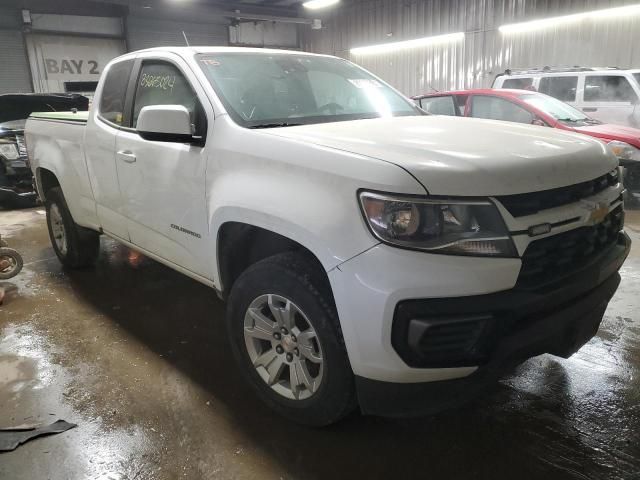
point(203, 49)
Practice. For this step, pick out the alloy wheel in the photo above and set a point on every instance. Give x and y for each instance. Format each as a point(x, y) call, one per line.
point(57, 229)
point(283, 347)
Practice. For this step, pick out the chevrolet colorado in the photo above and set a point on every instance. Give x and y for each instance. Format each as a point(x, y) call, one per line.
point(370, 255)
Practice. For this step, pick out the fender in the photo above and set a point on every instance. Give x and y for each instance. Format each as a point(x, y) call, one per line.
point(306, 193)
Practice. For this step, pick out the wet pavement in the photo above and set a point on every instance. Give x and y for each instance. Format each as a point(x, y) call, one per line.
point(136, 355)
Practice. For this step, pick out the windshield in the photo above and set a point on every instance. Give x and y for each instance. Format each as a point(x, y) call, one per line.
point(276, 90)
point(557, 109)
point(637, 77)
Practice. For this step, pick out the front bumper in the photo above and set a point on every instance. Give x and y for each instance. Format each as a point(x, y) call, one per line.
point(520, 322)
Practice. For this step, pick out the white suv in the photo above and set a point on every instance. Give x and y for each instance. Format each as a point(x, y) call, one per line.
point(610, 95)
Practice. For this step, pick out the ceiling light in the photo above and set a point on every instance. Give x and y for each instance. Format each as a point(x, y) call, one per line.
point(555, 21)
point(418, 42)
point(314, 4)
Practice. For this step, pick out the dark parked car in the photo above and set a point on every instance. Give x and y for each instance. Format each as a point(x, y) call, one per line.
point(16, 185)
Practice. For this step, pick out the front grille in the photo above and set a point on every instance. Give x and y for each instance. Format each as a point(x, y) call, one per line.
point(22, 147)
point(548, 259)
point(529, 203)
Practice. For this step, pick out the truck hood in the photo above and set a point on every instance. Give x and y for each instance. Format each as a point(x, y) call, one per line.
point(609, 131)
point(466, 156)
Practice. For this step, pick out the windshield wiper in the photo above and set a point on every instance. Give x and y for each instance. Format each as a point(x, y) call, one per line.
point(275, 125)
point(571, 120)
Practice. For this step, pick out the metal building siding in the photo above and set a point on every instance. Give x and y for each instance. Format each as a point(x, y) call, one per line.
point(484, 52)
point(148, 32)
point(14, 74)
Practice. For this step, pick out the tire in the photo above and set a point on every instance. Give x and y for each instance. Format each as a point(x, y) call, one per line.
point(10, 263)
point(78, 247)
point(329, 394)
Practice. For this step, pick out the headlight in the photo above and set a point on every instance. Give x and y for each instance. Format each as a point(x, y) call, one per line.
point(624, 151)
point(9, 151)
point(453, 227)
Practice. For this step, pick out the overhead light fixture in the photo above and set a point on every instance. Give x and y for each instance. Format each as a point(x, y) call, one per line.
point(418, 42)
point(26, 17)
point(555, 21)
point(315, 4)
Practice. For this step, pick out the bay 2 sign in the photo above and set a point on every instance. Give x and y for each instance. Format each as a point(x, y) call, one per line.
point(71, 66)
point(76, 62)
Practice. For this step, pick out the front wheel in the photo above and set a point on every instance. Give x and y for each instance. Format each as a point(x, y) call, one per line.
point(75, 246)
point(285, 336)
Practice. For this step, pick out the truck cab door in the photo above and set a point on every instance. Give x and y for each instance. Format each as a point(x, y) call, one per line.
point(162, 183)
point(106, 120)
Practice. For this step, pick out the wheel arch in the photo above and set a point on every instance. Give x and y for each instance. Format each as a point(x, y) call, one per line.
point(241, 244)
point(45, 181)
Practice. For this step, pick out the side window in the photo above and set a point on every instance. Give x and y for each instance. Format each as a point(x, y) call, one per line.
point(518, 83)
point(562, 88)
point(161, 83)
point(496, 108)
point(439, 105)
point(608, 88)
point(114, 92)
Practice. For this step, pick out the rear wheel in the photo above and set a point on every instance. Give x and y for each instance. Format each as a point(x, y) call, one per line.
point(285, 335)
point(75, 246)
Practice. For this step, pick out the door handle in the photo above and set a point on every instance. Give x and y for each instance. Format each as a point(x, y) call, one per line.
point(127, 156)
point(590, 109)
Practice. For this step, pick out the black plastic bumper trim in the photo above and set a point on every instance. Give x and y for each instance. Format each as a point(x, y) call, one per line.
point(509, 310)
point(561, 333)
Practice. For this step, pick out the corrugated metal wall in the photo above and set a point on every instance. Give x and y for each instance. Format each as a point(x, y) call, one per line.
point(14, 74)
point(151, 32)
point(484, 52)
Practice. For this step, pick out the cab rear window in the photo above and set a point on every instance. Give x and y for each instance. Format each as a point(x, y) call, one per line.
point(114, 92)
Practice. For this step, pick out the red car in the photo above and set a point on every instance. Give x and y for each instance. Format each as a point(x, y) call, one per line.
point(535, 108)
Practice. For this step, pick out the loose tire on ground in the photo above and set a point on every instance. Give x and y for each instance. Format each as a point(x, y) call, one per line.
point(10, 263)
point(316, 384)
point(75, 246)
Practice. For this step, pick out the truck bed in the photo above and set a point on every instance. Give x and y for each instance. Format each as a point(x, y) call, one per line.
point(55, 142)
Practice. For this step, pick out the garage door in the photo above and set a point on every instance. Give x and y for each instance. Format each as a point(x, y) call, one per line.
point(14, 74)
point(69, 63)
point(149, 33)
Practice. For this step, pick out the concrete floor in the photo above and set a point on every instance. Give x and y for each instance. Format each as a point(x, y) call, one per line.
point(136, 355)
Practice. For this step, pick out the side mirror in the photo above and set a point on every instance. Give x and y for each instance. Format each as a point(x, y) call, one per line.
point(165, 123)
point(537, 121)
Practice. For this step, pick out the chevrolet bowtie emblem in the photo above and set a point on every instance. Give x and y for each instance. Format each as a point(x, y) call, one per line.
point(599, 212)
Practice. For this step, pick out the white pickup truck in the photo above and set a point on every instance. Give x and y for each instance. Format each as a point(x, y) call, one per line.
point(370, 255)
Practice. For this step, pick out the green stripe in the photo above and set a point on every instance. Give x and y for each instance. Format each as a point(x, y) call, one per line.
point(68, 116)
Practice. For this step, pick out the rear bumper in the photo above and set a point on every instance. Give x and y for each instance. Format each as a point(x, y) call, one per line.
point(17, 186)
point(520, 324)
point(8, 194)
